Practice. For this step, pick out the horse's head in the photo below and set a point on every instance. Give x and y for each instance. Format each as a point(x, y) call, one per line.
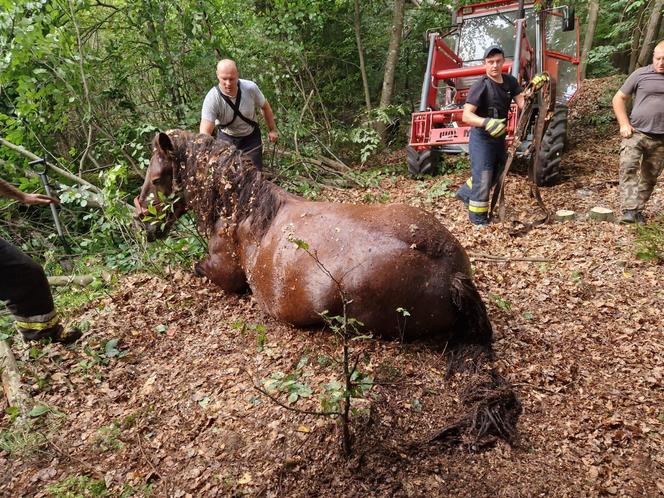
point(158, 206)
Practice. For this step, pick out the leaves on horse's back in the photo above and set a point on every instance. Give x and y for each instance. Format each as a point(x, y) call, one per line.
point(301, 244)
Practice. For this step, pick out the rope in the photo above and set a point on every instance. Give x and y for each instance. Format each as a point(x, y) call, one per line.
point(498, 203)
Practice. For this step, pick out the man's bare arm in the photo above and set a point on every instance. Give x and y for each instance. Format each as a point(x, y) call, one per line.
point(470, 118)
point(269, 119)
point(619, 102)
point(8, 190)
point(520, 101)
point(206, 127)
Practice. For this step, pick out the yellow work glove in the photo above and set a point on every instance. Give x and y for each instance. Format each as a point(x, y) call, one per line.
point(539, 80)
point(495, 127)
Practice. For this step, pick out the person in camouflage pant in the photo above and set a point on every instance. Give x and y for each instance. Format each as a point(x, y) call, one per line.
point(642, 148)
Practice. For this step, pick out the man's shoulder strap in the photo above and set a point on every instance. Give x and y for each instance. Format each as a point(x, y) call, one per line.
point(236, 107)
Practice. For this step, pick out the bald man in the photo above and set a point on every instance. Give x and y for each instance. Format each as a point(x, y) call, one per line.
point(642, 148)
point(231, 106)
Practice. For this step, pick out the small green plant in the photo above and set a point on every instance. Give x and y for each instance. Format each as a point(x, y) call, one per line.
point(101, 355)
point(402, 326)
point(79, 486)
point(650, 241)
point(22, 440)
point(336, 396)
point(501, 302)
point(290, 384)
point(258, 329)
point(108, 438)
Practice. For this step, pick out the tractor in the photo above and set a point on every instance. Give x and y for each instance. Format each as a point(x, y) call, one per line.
point(535, 37)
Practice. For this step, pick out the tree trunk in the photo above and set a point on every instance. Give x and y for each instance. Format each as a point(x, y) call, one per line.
point(651, 31)
point(593, 10)
point(391, 61)
point(392, 54)
point(637, 34)
point(360, 53)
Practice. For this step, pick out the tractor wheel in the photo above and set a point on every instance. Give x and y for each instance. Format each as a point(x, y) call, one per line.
point(551, 150)
point(423, 163)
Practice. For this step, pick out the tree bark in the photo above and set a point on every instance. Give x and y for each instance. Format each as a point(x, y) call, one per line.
point(593, 9)
point(392, 54)
point(651, 31)
point(637, 34)
point(387, 92)
point(11, 380)
point(360, 53)
point(70, 280)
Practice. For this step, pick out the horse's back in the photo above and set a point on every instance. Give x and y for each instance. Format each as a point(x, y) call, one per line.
point(383, 257)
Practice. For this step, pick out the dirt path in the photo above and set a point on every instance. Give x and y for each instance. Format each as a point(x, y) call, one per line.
point(172, 411)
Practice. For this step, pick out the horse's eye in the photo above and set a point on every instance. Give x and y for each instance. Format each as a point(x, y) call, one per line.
point(156, 180)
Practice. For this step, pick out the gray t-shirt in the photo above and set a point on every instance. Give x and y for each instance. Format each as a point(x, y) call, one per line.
point(647, 87)
point(216, 110)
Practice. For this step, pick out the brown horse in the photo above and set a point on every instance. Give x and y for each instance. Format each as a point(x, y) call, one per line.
point(377, 257)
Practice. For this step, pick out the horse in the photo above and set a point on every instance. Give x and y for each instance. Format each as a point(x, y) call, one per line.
point(394, 268)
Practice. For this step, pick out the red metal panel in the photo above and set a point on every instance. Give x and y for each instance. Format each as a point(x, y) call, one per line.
point(490, 7)
point(463, 72)
point(424, 134)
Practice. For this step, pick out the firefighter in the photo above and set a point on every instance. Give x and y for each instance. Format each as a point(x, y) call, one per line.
point(232, 103)
point(486, 108)
point(23, 284)
point(642, 148)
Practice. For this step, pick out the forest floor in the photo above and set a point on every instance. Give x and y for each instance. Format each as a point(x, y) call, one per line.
point(170, 408)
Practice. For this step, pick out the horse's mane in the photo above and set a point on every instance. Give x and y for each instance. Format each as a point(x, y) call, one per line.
point(221, 183)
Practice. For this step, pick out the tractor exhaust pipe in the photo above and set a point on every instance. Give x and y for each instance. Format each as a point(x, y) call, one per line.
point(426, 83)
point(520, 21)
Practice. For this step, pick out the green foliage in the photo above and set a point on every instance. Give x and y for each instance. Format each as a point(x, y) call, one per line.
point(501, 302)
point(258, 329)
point(76, 486)
point(289, 384)
point(599, 61)
point(650, 241)
point(22, 440)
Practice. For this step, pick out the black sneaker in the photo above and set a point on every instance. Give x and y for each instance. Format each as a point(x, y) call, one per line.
point(640, 219)
point(66, 337)
point(631, 216)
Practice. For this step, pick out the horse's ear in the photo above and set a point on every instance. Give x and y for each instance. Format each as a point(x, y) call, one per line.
point(164, 143)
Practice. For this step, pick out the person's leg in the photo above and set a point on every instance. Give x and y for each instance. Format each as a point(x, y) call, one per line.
point(651, 167)
point(463, 193)
point(27, 294)
point(631, 153)
point(482, 156)
point(252, 146)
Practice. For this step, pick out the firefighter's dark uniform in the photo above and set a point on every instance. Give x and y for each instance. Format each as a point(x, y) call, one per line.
point(487, 154)
point(25, 290)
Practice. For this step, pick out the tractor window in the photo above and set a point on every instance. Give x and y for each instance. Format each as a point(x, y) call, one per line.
point(478, 33)
point(557, 40)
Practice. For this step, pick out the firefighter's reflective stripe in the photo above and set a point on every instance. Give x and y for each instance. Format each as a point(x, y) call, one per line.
point(469, 182)
point(478, 206)
point(35, 318)
point(37, 325)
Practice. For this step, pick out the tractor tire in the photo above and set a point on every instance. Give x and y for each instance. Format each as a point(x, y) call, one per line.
point(423, 163)
point(554, 142)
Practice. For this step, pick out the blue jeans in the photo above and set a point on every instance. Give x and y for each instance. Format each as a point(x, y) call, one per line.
point(487, 159)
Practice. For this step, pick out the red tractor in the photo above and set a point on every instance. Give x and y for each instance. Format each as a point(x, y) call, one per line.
point(535, 37)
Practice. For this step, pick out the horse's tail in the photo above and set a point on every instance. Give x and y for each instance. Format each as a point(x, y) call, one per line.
point(473, 325)
point(491, 409)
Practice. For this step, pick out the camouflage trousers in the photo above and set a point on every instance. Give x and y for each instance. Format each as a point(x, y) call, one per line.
point(641, 162)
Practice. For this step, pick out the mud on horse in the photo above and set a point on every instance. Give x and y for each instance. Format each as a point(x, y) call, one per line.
point(384, 256)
